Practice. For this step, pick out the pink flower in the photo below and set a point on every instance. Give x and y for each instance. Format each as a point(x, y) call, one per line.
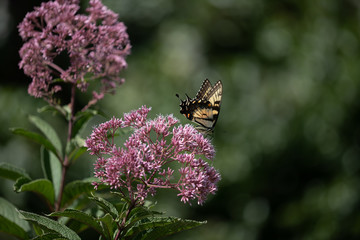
point(141, 164)
point(95, 45)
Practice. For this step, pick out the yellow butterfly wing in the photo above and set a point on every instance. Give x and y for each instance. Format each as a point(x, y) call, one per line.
point(207, 114)
point(204, 90)
point(204, 109)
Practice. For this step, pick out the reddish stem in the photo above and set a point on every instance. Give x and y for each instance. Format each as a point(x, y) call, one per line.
point(122, 225)
point(65, 163)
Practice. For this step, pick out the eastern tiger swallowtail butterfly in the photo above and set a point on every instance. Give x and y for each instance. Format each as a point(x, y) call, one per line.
point(205, 107)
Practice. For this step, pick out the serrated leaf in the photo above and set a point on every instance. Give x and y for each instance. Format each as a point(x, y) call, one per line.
point(12, 172)
point(11, 223)
point(80, 217)
point(107, 206)
point(160, 227)
point(41, 186)
point(51, 168)
point(36, 138)
point(74, 189)
point(48, 224)
point(48, 131)
point(136, 215)
point(141, 212)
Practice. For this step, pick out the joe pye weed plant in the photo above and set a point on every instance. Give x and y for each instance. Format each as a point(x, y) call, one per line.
point(157, 153)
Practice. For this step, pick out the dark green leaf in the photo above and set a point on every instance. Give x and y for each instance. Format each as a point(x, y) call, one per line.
point(48, 236)
point(11, 172)
point(10, 221)
point(81, 217)
point(138, 214)
point(74, 189)
point(51, 168)
point(48, 224)
point(76, 226)
point(48, 131)
point(67, 111)
point(77, 153)
point(160, 227)
point(108, 225)
point(75, 147)
point(141, 212)
point(41, 186)
point(36, 138)
point(106, 205)
point(54, 109)
point(81, 119)
point(19, 182)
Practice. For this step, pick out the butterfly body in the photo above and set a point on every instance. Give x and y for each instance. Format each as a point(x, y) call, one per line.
point(204, 109)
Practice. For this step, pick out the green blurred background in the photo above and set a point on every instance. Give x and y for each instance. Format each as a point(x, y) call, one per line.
point(287, 138)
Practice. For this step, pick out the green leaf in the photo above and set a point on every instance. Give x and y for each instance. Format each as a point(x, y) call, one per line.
point(51, 168)
point(19, 182)
point(48, 131)
point(10, 221)
point(11, 172)
point(160, 227)
point(41, 186)
point(36, 138)
point(48, 236)
point(74, 189)
point(141, 212)
point(137, 214)
point(81, 217)
point(81, 119)
point(77, 153)
point(48, 224)
point(75, 147)
point(106, 205)
point(54, 109)
point(67, 111)
point(108, 225)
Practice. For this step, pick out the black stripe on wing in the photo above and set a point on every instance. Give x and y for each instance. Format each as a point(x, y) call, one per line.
point(204, 109)
point(204, 90)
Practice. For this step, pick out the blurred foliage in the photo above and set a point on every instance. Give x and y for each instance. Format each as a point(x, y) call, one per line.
point(287, 138)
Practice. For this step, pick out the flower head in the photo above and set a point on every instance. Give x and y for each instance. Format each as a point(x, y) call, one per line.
point(95, 44)
point(144, 162)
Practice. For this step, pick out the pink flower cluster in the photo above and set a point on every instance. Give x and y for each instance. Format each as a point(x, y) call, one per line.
point(145, 161)
point(94, 45)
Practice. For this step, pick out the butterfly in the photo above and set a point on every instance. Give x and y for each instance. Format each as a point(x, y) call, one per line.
point(204, 109)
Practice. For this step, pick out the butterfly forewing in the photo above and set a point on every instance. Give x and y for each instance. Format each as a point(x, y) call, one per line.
point(215, 94)
point(205, 107)
point(204, 90)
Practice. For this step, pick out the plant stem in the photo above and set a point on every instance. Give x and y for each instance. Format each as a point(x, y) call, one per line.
point(65, 163)
point(122, 225)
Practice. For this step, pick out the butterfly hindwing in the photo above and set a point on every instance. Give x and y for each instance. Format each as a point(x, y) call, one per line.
point(205, 118)
point(204, 109)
